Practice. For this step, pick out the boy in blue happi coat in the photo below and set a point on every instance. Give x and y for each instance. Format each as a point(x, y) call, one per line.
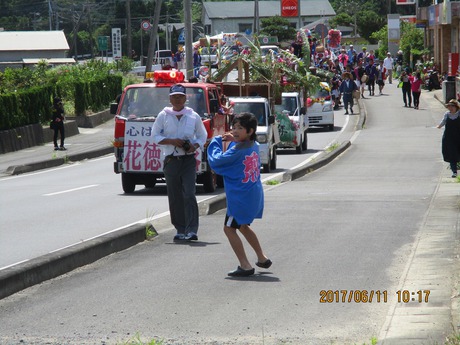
point(240, 167)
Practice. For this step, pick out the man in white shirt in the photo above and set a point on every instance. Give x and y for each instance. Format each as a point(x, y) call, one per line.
point(388, 64)
point(180, 130)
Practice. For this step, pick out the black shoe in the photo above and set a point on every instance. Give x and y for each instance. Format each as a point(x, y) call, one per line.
point(191, 236)
point(265, 264)
point(454, 174)
point(346, 113)
point(56, 148)
point(351, 111)
point(239, 272)
point(179, 238)
point(62, 148)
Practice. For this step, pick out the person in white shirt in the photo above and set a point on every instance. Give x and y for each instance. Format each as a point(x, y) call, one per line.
point(388, 64)
point(180, 130)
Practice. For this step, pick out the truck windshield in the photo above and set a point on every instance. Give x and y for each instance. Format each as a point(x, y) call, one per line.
point(149, 101)
point(289, 104)
point(258, 109)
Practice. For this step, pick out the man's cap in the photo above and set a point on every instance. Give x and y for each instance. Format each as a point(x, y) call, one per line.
point(177, 89)
point(388, 53)
point(351, 45)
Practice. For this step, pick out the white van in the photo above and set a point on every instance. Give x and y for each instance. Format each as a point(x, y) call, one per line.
point(320, 110)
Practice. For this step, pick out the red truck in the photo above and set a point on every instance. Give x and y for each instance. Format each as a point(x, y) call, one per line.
point(137, 158)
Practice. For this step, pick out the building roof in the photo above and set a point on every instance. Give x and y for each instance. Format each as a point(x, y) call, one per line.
point(245, 9)
point(32, 40)
point(50, 61)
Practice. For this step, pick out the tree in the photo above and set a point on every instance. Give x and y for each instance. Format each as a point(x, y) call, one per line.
point(369, 22)
point(279, 27)
point(412, 43)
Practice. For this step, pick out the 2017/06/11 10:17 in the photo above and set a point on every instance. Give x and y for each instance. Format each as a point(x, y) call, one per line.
point(370, 296)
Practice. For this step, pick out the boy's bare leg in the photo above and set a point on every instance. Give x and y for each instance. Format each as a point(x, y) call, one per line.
point(252, 239)
point(237, 246)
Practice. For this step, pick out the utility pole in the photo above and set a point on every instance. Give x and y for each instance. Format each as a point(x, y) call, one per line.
point(188, 38)
point(153, 36)
point(256, 17)
point(299, 12)
point(129, 40)
point(50, 14)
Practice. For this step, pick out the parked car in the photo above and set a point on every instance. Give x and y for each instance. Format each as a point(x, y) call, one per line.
point(320, 110)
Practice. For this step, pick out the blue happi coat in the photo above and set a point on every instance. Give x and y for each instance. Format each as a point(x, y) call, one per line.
point(240, 167)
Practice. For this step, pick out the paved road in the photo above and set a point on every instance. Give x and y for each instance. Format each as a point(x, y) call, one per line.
point(378, 218)
point(60, 202)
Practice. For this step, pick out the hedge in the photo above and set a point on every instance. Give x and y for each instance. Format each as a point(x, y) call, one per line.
point(33, 105)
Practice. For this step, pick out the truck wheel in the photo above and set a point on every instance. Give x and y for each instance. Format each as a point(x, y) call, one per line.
point(305, 142)
point(220, 181)
point(209, 181)
point(127, 182)
point(273, 160)
point(266, 167)
point(330, 127)
point(299, 148)
point(151, 184)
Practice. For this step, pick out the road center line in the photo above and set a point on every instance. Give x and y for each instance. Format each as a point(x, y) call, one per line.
point(71, 190)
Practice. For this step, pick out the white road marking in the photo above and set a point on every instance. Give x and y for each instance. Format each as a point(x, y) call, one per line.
point(71, 190)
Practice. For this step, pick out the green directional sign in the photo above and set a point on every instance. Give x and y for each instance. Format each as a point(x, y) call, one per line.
point(102, 43)
point(268, 40)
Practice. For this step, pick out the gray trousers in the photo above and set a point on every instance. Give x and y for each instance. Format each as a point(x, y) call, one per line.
point(180, 177)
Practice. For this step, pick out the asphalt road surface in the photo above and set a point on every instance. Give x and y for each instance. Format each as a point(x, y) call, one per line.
point(350, 226)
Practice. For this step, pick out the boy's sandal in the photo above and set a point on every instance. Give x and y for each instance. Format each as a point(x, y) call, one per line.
point(265, 264)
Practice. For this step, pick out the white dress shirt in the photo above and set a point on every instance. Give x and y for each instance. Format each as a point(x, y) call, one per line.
point(168, 126)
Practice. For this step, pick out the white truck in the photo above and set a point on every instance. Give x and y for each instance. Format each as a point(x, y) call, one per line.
point(267, 129)
point(292, 121)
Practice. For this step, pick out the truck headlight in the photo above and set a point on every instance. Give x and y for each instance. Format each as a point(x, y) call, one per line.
point(327, 107)
point(262, 138)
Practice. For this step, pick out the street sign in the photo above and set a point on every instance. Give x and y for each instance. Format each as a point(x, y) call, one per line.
point(145, 25)
point(181, 38)
point(102, 43)
point(269, 39)
point(116, 43)
point(321, 29)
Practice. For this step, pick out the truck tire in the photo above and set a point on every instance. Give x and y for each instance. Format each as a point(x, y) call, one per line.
point(266, 167)
point(220, 181)
point(273, 159)
point(209, 182)
point(305, 142)
point(299, 148)
point(151, 184)
point(128, 184)
point(330, 128)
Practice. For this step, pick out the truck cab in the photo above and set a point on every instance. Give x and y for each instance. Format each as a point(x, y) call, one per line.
point(267, 130)
point(293, 133)
point(137, 158)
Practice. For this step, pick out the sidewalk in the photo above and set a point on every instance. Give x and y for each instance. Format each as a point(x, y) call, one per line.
point(90, 143)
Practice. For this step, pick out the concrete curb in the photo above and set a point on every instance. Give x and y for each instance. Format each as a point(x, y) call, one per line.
point(16, 278)
point(35, 271)
point(51, 163)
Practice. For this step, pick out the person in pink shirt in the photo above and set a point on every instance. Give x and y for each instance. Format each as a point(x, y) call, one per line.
point(416, 87)
point(343, 58)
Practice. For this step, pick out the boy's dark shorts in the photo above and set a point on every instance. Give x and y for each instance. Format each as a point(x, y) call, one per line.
point(231, 222)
